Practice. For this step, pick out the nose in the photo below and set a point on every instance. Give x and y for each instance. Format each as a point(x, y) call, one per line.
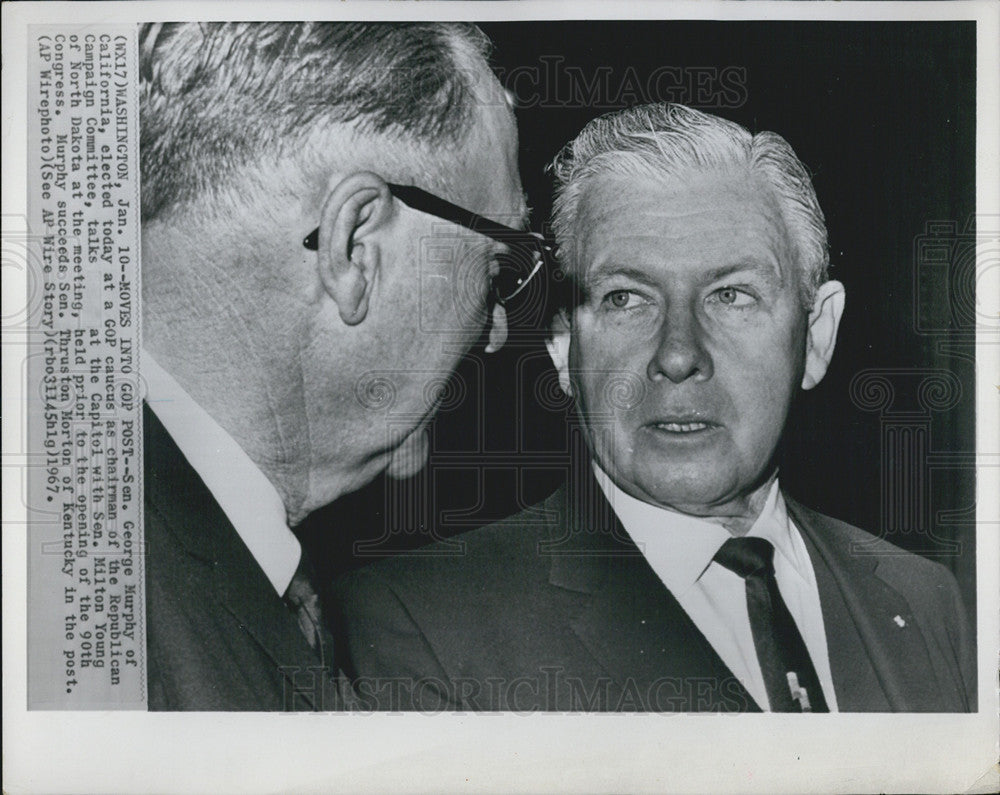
point(681, 353)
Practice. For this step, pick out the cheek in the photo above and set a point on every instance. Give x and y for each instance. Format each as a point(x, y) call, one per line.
point(762, 387)
point(765, 355)
point(608, 386)
point(598, 348)
point(452, 286)
point(471, 281)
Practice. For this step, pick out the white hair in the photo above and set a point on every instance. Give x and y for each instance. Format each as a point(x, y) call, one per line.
point(663, 140)
point(216, 97)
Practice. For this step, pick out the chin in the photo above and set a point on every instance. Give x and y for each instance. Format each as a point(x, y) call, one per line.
point(410, 457)
point(690, 490)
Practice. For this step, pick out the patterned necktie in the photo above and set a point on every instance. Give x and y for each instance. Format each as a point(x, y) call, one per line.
point(789, 676)
point(302, 598)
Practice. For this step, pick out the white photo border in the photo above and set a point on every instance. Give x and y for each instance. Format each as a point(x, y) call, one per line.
point(144, 752)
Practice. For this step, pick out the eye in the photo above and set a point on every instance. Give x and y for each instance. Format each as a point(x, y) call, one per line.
point(621, 299)
point(734, 297)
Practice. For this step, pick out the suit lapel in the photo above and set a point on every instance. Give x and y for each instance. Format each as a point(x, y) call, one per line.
point(878, 656)
point(240, 586)
point(254, 605)
point(629, 621)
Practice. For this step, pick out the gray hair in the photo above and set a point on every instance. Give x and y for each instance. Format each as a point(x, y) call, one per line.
point(217, 96)
point(661, 140)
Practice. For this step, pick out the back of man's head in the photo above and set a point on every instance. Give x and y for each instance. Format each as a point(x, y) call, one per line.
point(255, 134)
point(216, 97)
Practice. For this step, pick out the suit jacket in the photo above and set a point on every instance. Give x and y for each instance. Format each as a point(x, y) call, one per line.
point(556, 609)
point(218, 636)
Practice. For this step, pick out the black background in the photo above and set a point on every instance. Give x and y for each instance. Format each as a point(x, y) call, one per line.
point(884, 116)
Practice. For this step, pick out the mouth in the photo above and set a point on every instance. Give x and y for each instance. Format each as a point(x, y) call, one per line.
point(683, 425)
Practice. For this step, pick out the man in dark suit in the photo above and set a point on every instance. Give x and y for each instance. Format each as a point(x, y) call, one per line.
point(313, 266)
point(671, 572)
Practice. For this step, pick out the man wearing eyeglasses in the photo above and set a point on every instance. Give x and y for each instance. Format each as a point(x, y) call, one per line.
point(331, 212)
point(671, 572)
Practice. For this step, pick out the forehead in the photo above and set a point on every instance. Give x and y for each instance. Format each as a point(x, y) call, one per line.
point(486, 179)
point(691, 222)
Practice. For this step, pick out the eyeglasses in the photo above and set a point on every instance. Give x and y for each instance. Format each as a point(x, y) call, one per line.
point(525, 255)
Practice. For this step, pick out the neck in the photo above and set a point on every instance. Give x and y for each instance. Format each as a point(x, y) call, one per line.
point(238, 399)
point(249, 335)
point(216, 321)
point(737, 515)
point(740, 515)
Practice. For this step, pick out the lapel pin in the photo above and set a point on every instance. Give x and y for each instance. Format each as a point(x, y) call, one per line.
point(899, 621)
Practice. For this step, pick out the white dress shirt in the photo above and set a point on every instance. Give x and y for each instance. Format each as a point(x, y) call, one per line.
point(246, 496)
point(681, 548)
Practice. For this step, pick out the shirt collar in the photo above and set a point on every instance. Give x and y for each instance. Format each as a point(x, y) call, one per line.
point(681, 547)
point(249, 500)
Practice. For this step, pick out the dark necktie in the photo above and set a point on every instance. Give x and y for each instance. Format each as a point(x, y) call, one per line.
point(302, 598)
point(789, 676)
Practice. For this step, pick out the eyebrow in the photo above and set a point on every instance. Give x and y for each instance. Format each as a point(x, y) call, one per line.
point(767, 269)
point(524, 212)
point(606, 271)
point(522, 224)
point(520, 218)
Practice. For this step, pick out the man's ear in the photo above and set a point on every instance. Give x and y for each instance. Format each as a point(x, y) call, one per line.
point(356, 210)
point(558, 347)
point(821, 338)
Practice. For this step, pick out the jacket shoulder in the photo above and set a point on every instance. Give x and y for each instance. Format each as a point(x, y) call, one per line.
point(904, 570)
point(928, 589)
point(474, 566)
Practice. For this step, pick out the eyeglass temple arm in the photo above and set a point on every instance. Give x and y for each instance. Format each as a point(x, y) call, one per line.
point(434, 205)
